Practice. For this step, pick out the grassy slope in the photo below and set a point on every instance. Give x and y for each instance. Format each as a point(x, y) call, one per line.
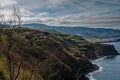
point(60, 56)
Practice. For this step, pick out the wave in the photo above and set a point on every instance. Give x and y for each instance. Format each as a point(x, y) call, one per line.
point(92, 78)
point(100, 58)
point(90, 75)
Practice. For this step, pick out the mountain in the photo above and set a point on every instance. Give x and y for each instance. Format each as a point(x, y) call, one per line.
point(3, 26)
point(86, 32)
point(46, 55)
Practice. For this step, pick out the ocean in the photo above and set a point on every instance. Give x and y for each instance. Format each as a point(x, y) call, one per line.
point(109, 66)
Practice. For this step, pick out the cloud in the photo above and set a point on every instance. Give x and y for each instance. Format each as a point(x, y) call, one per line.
point(43, 15)
point(90, 13)
point(54, 4)
point(26, 13)
point(7, 9)
point(7, 3)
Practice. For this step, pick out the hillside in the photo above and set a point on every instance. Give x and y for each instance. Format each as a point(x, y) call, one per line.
point(44, 55)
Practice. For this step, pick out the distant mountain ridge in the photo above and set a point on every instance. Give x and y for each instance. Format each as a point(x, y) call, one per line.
point(83, 31)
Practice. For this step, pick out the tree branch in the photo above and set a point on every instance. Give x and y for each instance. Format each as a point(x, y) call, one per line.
point(18, 72)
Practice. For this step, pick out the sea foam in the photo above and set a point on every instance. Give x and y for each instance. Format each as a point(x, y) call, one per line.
point(90, 75)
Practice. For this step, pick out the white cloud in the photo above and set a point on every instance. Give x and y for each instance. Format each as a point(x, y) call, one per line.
point(42, 15)
point(7, 3)
point(7, 10)
point(31, 20)
point(26, 13)
point(56, 3)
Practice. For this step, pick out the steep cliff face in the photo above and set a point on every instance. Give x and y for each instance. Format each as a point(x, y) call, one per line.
point(88, 49)
point(105, 50)
point(55, 56)
point(95, 51)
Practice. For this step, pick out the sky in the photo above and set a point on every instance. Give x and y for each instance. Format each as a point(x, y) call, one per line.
point(80, 13)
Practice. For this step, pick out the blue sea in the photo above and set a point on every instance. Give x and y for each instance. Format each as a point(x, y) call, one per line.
point(109, 67)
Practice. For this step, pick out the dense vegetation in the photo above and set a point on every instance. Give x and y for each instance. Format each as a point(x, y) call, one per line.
point(28, 54)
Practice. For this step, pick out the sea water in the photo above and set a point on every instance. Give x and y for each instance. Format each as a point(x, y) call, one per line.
point(109, 67)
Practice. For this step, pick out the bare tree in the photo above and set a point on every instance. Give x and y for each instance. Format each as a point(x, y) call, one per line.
point(16, 14)
point(1, 15)
point(14, 69)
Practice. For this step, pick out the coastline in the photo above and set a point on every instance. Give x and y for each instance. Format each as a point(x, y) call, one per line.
point(104, 71)
point(107, 41)
point(90, 75)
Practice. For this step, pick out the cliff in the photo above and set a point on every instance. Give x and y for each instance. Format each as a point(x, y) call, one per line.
point(90, 50)
point(49, 55)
